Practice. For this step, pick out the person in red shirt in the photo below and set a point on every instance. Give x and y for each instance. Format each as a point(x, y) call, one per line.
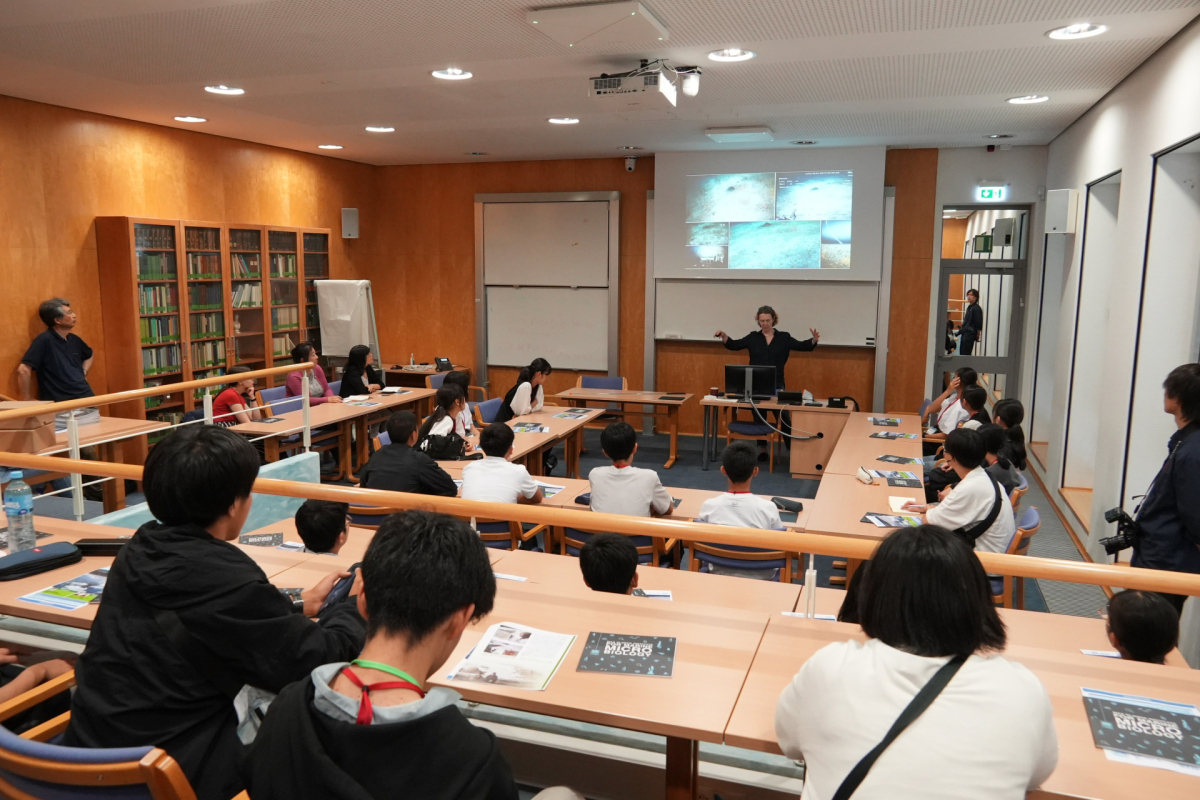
point(235, 405)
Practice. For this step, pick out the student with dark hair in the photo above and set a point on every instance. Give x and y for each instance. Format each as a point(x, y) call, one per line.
point(609, 563)
point(946, 412)
point(318, 388)
point(1143, 626)
point(61, 360)
point(1009, 413)
point(187, 619)
point(450, 401)
point(236, 403)
point(623, 488)
point(925, 605)
point(323, 526)
point(1169, 517)
point(974, 402)
point(527, 396)
point(849, 609)
point(976, 508)
point(360, 376)
point(495, 479)
point(463, 424)
point(401, 467)
point(995, 464)
point(740, 507)
point(972, 324)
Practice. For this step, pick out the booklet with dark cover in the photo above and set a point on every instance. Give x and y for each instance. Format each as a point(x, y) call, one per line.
point(1148, 729)
point(652, 656)
point(900, 460)
point(261, 539)
point(908, 483)
point(889, 422)
point(893, 435)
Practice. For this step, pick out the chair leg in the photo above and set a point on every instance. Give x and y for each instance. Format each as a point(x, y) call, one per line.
point(1019, 593)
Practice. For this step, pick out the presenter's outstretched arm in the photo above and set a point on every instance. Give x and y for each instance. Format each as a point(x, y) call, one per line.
point(722, 335)
point(732, 344)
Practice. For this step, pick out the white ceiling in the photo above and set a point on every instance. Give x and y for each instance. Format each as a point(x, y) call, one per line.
point(929, 73)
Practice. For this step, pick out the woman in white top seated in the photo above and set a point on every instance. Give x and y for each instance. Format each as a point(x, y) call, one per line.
point(444, 419)
point(988, 735)
point(464, 424)
point(527, 396)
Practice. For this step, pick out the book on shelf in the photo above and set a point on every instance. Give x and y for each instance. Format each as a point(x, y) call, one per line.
point(244, 240)
point(283, 293)
point(208, 354)
point(157, 360)
point(156, 237)
point(244, 265)
point(204, 296)
point(283, 265)
point(158, 298)
point(156, 330)
point(208, 325)
point(285, 319)
point(202, 238)
point(247, 295)
point(156, 266)
point(203, 265)
point(282, 345)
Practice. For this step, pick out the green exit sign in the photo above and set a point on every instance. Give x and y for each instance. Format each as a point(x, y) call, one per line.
point(989, 194)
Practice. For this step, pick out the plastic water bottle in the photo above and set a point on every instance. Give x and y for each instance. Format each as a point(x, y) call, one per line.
point(18, 507)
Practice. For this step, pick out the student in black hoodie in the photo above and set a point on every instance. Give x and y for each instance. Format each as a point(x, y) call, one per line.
point(187, 619)
point(372, 728)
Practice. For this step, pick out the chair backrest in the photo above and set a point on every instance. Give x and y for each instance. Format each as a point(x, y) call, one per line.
point(601, 382)
point(335, 386)
point(278, 396)
point(193, 415)
point(650, 550)
point(1022, 484)
point(382, 440)
point(36, 769)
point(435, 380)
point(1030, 524)
point(488, 410)
point(497, 533)
point(924, 406)
point(369, 517)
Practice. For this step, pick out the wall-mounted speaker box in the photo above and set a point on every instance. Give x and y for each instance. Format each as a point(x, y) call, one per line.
point(349, 223)
point(1062, 207)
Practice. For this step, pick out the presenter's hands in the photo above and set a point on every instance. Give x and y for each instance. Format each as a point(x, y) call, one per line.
point(816, 335)
point(722, 335)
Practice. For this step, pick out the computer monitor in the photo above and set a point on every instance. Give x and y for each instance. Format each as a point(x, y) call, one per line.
point(749, 380)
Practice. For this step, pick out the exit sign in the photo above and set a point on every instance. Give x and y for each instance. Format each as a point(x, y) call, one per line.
point(989, 194)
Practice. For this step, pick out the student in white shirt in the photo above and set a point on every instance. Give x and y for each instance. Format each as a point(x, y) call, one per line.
point(623, 488)
point(443, 420)
point(946, 412)
point(989, 735)
point(741, 508)
point(465, 425)
point(527, 396)
point(323, 526)
point(496, 479)
point(969, 503)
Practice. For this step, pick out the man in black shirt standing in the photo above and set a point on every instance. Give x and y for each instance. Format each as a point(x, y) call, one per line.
point(62, 361)
point(399, 467)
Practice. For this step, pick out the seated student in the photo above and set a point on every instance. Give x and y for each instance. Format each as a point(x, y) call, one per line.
point(236, 404)
point(924, 602)
point(1009, 414)
point(946, 413)
point(609, 563)
point(995, 464)
point(359, 376)
point(967, 507)
point(371, 728)
point(495, 478)
point(1142, 626)
point(527, 396)
point(464, 424)
point(974, 402)
point(622, 488)
point(187, 619)
point(318, 388)
point(739, 507)
point(323, 526)
point(444, 419)
point(399, 467)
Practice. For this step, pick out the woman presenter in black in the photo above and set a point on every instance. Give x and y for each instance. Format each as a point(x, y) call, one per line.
point(770, 347)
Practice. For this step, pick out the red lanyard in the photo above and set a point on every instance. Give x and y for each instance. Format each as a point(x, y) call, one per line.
point(366, 715)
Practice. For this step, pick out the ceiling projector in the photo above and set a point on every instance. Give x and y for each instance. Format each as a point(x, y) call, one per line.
point(656, 79)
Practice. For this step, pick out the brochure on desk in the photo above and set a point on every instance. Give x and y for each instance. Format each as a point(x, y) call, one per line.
point(1145, 731)
point(73, 594)
point(516, 656)
point(893, 435)
point(652, 656)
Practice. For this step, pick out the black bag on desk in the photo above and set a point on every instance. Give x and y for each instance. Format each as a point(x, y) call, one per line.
point(448, 447)
point(42, 558)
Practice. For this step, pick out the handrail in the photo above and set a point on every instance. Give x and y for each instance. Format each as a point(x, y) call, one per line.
point(137, 394)
point(663, 527)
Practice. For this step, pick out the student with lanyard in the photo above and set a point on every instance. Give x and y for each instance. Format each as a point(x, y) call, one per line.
point(946, 412)
point(370, 727)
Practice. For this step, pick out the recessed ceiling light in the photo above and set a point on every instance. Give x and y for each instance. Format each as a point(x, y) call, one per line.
point(451, 74)
point(330, 146)
point(190, 119)
point(475, 153)
point(1080, 30)
point(732, 54)
point(221, 88)
point(562, 121)
point(379, 129)
point(999, 136)
point(628, 147)
point(1026, 99)
point(804, 141)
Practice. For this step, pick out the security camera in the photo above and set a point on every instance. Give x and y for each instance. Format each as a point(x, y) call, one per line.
point(631, 163)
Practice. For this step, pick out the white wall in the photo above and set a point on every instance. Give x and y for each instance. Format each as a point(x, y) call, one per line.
point(1151, 110)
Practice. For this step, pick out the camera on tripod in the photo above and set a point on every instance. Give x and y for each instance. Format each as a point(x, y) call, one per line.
point(1128, 531)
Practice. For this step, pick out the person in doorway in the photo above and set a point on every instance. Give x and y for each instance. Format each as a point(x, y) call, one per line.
point(360, 376)
point(972, 324)
point(61, 360)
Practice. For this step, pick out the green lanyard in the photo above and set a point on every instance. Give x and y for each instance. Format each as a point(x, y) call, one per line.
point(390, 670)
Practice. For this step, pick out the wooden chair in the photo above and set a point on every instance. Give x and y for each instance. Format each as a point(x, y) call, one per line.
point(1018, 492)
point(1011, 592)
point(484, 413)
point(369, 517)
point(436, 380)
point(30, 768)
point(322, 439)
point(501, 534)
point(613, 411)
point(651, 550)
point(739, 557)
point(755, 431)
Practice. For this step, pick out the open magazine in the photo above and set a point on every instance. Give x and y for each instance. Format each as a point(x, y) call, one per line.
point(73, 594)
point(514, 655)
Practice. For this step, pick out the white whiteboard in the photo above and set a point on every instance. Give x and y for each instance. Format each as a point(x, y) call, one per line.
point(844, 312)
point(567, 327)
point(545, 244)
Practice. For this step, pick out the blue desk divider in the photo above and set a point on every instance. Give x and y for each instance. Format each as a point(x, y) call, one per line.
point(267, 509)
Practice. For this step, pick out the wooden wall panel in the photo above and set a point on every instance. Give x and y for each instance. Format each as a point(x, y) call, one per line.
point(63, 168)
point(696, 367)
point(423, 254)
point(954, 237)
point(914, 174)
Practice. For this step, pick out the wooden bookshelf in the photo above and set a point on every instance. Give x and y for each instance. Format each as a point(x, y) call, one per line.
point(188, 299)
point(316, 267)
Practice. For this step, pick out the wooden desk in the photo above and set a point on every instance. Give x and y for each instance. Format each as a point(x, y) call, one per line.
point(107, 435)
point(352, 551)
point(670, 407)
point(1083, 770)
point(713, 652)
point(413, 378)
point(842, 500)
point(808, 456)
point(857, 449)
point(307, 574)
